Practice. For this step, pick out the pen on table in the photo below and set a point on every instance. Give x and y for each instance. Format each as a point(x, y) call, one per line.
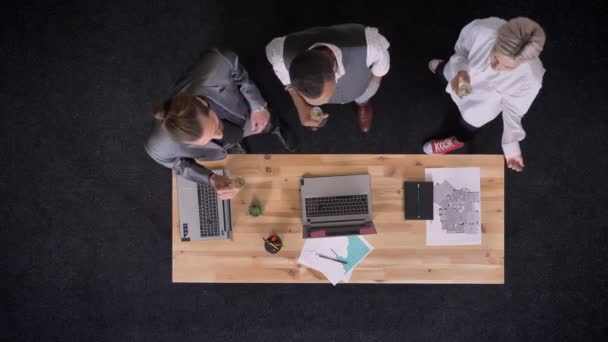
point(333, 259)
point(270, 243)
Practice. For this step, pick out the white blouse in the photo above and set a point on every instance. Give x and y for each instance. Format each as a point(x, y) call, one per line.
point(510, 92)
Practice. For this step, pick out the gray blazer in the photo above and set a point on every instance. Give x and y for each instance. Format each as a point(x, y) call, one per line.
point(218, 75)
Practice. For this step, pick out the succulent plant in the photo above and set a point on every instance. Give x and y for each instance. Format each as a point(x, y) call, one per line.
point(255, 210)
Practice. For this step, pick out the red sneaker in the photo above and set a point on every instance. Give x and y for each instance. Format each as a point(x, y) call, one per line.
point(442, 146)
point(434, 64)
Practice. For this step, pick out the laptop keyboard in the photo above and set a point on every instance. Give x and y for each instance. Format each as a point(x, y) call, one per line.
point(336, 206)
point(207, 210)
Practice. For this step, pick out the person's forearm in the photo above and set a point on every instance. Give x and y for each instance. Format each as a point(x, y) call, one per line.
point(455, 65)
point(191, 170)
point(370, 91)
point(302, 107)
point(459, 60)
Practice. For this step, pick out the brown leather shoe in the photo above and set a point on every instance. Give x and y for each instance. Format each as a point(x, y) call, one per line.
point(365, 114)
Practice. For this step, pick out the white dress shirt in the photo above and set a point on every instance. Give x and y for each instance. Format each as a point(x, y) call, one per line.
point(377, 58)
point(510, 92)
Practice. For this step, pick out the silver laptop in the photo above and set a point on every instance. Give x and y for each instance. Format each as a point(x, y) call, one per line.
point(202, 215)
point(336, 206)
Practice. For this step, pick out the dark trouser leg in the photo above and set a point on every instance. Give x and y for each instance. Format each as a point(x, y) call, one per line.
point(465, 132)
point(453, 123)
point(278, 128)
point(439, 73)
point(285, 135)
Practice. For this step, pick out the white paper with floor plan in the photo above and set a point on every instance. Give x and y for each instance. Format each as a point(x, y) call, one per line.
point(456, 207)
point(351, 249)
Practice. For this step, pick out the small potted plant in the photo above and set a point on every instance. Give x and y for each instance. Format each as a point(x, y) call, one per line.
point(255, 209)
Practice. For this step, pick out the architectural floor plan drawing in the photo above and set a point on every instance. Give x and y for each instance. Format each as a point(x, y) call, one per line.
point(456, 207)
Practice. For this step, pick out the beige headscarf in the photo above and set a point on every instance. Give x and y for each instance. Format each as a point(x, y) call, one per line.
point(521, 39)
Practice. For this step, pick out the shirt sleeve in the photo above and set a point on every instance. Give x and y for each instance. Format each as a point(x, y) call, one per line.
point(241, 78)
point(191, 170)
point(459, 60)
point(378, 58)
point(515, 107)
point(186, 167)
point(274, 54)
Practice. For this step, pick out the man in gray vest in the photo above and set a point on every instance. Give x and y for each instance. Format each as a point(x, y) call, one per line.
point(335, 64)
point(212, 109)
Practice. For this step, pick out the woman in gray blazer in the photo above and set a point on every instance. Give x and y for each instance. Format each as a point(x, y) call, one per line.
point(212, 109)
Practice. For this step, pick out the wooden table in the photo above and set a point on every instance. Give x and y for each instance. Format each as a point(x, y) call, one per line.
point(400, 253)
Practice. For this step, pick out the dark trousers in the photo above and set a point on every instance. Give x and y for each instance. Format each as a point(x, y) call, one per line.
point(454, 124)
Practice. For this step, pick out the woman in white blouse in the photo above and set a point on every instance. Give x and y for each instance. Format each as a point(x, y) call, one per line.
point(498, 61)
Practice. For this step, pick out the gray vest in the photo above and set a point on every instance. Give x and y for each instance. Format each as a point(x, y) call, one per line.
point(350, 39)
